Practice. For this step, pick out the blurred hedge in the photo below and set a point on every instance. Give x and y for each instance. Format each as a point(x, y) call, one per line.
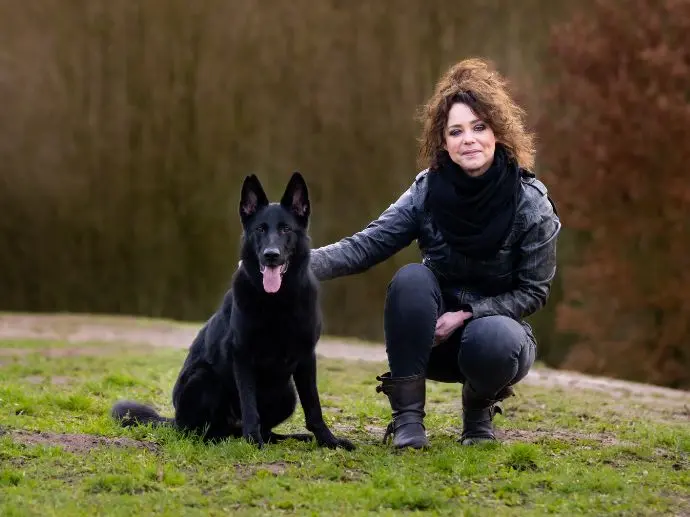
point(127, 128)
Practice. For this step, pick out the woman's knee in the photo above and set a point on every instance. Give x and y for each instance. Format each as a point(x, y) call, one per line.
point(493, 338)
point(491, 349)
point(415, 278)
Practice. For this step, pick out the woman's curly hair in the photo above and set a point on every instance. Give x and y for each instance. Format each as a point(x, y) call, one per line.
point(475, 83)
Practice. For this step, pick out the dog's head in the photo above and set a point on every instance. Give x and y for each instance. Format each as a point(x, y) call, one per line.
point(275, 234)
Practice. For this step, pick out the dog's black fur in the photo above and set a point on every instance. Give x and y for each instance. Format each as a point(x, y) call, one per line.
point(240, 375)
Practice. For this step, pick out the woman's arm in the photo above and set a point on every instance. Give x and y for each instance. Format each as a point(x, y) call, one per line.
point(535, 271)
point(395, 229)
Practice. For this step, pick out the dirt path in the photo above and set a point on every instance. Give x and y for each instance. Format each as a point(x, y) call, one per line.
point(81, 328)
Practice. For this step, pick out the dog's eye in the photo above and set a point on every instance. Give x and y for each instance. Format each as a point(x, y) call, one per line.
point(260, 229)
point(284, 228)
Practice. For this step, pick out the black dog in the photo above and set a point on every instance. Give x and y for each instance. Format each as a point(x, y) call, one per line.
point(238, 377)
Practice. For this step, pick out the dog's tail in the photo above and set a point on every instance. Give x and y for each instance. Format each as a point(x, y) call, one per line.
point(130, 413)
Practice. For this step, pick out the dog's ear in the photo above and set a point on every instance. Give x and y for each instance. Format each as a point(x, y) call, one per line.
point(296, 199)
point(253, 197)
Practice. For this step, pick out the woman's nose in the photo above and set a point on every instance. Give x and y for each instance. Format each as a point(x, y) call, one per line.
point(467, 138)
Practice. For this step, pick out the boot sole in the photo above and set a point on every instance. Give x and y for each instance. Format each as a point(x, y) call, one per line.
point(477, 441)
point(412, 446)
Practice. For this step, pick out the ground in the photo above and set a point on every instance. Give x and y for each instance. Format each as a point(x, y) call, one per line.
point(571, 444)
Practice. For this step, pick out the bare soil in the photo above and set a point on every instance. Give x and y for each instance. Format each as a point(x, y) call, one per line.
point(245, 472)
point(56, 380)
point(533, 436)
point(80, 443)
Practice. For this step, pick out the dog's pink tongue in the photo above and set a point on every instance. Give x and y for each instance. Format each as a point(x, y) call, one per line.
point(272, 279)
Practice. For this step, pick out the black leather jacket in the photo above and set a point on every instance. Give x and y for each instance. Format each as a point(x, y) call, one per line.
point(514, 283)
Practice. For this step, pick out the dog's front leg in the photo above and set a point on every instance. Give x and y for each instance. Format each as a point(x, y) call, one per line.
point(246, 387)
point(305, 382)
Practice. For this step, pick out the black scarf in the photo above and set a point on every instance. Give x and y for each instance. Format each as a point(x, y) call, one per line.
point(475, 214)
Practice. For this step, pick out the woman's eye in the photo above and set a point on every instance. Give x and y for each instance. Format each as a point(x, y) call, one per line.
point(454, 132)
point(479, 127)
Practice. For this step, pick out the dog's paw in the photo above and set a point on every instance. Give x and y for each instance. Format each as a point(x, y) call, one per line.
point(254, 437)
point(333, 443)
point(346, 444)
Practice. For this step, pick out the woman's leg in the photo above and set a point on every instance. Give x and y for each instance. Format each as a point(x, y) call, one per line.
point(495, 353)
point(413, 303)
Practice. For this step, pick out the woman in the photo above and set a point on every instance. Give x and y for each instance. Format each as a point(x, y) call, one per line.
point(487, 232)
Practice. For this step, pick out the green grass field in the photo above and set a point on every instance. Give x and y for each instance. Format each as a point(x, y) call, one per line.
point(564, 452)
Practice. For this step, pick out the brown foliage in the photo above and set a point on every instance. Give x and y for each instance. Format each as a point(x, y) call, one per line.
point(618, 146)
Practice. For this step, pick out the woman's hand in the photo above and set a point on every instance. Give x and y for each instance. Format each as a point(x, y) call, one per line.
point(448, 323)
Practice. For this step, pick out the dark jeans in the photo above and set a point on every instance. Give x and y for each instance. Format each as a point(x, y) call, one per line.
point(490, 352)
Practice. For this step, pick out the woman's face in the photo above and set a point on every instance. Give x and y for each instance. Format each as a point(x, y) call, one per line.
point(469, 141)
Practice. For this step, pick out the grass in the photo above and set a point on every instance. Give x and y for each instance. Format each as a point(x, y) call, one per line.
point(564, 452)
